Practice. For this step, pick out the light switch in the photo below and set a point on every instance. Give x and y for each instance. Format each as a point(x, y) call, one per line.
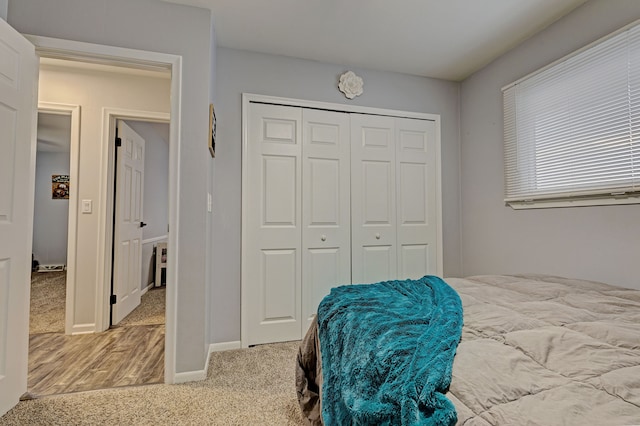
point(86, 206)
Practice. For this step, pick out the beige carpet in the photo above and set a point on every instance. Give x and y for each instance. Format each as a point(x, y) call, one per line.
point(243, 387)
point(48, 299)
point(151, 310)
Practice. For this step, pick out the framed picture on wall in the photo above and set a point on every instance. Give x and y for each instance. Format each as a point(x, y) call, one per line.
point(212, 131)
point(60, 187)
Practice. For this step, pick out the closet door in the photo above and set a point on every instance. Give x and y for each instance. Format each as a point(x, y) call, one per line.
point(272, 263)
point(326, 234)
point(416, 197)
point(373, 205)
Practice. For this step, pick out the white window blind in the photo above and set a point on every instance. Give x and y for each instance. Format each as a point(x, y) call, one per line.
point(573, 129)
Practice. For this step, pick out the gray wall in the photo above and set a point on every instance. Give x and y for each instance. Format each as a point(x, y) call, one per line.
point(4, 4)
point(50, 217)
point(598, 243)
point(168, 28)
point(241, 71)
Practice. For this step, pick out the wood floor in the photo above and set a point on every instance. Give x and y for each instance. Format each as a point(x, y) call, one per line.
point(129, 354)
point(117, 357)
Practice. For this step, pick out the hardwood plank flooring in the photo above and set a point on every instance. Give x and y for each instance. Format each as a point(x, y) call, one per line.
point(121, 356)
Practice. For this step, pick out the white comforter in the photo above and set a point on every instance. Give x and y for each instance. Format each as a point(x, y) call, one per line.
point(541, 350)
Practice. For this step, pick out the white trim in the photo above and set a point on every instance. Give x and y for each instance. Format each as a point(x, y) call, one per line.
point(83, 329)
point(190, 376)
point(248, 98)
point(74, 163)
point(303, 103)
point(225, 346)
point(194, 376)
point(146, 289)
point(160, 239)
point(89, 52)
point(576, 202)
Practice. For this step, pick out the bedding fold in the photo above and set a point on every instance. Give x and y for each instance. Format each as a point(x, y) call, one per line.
point(387, 352)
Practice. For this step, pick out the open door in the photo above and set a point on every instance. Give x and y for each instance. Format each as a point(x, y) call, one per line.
point(18, 98)
point(127, 235)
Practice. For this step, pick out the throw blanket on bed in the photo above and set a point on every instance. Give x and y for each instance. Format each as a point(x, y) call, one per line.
point(387, 352)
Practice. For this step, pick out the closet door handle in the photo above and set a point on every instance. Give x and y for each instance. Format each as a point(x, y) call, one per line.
point(377, 236)
point(323, 238)
point(142, 224)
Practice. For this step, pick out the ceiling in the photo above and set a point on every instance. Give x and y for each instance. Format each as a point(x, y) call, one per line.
point(448, 39)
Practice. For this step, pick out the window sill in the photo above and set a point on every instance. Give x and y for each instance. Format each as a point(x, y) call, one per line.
point(573, 202)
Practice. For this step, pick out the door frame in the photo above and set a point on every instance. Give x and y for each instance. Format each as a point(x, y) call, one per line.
point(72, 111)
point(247, 99)
point(110, 116)
point(111, 55)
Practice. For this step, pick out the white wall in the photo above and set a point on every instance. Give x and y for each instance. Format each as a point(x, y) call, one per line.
point(167, 28)
point(156, 191)
point(50, 218)
point(598, 243)
point(241, 71)
point(93, 90)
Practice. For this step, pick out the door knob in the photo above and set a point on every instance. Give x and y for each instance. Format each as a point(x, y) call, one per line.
point(377, 236)
point(323, 238)
point(142, 224)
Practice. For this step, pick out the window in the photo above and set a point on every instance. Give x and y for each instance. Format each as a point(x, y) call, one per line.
point(572, 129)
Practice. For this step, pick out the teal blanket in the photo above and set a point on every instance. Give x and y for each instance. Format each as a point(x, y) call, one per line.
point(387, 352)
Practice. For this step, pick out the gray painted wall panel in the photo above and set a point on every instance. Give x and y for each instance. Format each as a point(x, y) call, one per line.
point(241, 71)
point(51, 216)
point(598, 243)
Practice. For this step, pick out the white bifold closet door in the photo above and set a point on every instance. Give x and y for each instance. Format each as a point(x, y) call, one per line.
point(331, 198)
point(326, 239)
point(298, 223)
point(373, 184)
point(393, 182)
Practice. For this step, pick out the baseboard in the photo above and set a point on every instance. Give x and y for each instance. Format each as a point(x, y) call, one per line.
point(190, 376)
point(56, 267)
point(83, 329)
point(224, 346)
point(194, 376)
point(146, 289)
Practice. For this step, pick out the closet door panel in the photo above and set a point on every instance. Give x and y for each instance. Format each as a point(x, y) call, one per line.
point(416, 197)
point(274, 211)
point(326, 245)
point(373, 187)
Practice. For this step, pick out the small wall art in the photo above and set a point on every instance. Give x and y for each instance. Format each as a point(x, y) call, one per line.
point(212, 131)
point(60, 187)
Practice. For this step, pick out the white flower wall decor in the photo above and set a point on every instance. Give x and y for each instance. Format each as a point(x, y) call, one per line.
point(350, 84)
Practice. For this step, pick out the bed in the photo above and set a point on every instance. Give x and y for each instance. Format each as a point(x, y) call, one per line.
point(534, 349)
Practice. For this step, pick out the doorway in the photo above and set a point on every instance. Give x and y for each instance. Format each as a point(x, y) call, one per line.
point(51, 219)
point(91, 53)
point(154, 333)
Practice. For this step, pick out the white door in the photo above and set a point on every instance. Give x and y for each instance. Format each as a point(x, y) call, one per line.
point(416, 197)
point(18, 101)
point(128, 222)
point(326, 198)
point(373, 201)
point(273, 212)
